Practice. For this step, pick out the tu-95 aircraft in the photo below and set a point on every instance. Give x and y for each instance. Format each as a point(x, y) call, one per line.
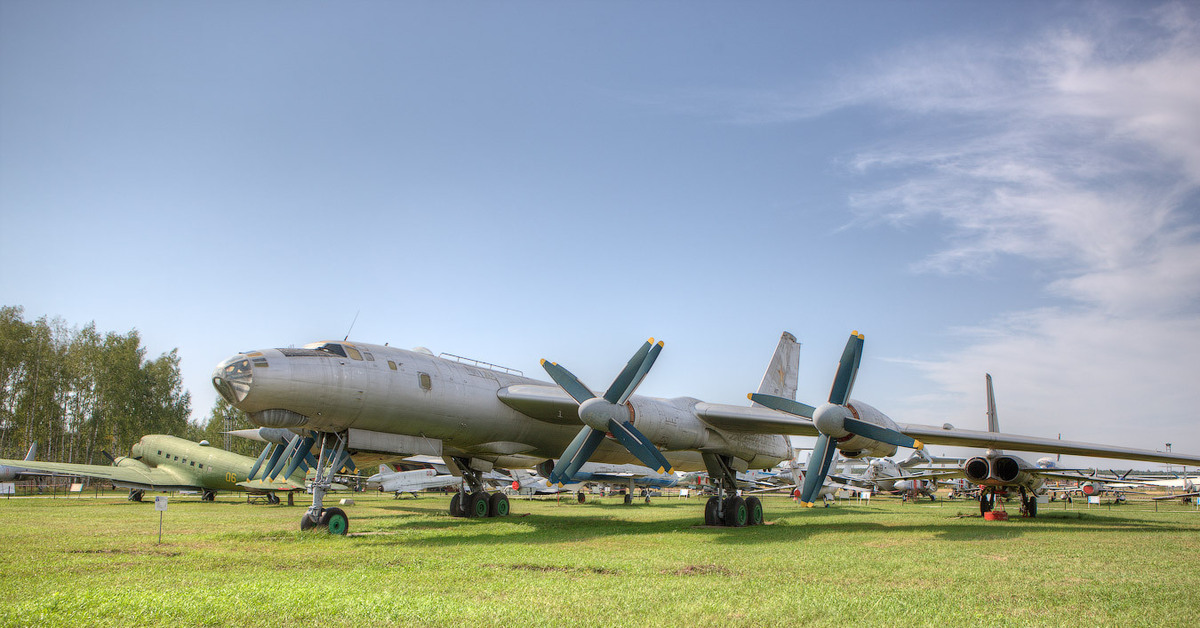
point(348, 397)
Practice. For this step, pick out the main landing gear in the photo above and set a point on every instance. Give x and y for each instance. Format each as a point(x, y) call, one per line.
point(727, 508)
point(136, 494)
point(472, 499)
point(1028, 504)
point(333, 457)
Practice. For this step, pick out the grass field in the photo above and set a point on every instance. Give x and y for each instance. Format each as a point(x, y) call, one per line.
point(85, 561)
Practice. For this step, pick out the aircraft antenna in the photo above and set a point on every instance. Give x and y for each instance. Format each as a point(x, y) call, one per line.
point(351, 326)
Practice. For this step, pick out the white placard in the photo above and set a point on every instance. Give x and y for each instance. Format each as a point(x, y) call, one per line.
point(160, 502)
point(1094, 499)
point(76, 487)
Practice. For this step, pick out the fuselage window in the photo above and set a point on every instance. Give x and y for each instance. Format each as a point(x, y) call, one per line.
point(426, 381)
point(160, 452)
point(177, 457)
point(201, 465)
point(193, 463)
point(368, 356)
point(353, 353)
point(391, 365)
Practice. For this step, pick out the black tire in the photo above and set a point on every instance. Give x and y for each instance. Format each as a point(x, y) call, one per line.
point(628, 499)
point(272, 499)
point(336, 521)
point(477, 505)
point(985, 504)
point(1031, 506)
point(581, 497)
point(754, 511)
point(136, 496)
point(736, 513)
point(710, 512)
point(306, 523)
point(208, 496)
point(498, 505)
point(456, 505)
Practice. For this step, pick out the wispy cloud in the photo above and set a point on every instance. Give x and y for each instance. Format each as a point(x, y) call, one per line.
point(1079, 149)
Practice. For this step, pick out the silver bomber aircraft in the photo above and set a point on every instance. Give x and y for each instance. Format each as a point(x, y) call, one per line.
point(352, 397)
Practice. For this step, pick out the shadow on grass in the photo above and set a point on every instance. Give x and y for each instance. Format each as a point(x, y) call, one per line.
point(405, 523)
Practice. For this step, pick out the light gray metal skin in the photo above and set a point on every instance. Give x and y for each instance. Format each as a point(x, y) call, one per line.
point(411, 402)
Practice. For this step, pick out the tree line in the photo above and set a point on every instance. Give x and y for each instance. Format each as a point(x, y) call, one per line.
point(79, 392)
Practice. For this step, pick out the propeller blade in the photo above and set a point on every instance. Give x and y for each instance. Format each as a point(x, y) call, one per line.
point(299, 455)
point(575, 455)
point(783, 404)
point(881, 434)
point(568, 382)
point(261, 458)
point(287, 453)
point(109, 456)
point(843, 382)
point(633, 373)
point(818, 468)
point(639, 445)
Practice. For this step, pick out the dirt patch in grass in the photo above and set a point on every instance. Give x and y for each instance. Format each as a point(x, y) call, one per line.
point(129, 552)
point(701, 570)
point(557, 568)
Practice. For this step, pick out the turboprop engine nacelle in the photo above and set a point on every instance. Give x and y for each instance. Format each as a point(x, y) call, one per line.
point(828, 419)
point(1002, 471)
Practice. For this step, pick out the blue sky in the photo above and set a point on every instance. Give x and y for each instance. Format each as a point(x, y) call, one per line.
point(978, 187)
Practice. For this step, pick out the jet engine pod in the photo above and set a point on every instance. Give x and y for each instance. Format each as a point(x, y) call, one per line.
point(978, 470)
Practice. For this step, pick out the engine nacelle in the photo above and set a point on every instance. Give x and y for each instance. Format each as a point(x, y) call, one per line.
point(1002, 470)
point(1090, 488)
point(669, 423)
point(855, 446)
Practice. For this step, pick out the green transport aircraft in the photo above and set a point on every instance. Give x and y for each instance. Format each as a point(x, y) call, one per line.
point(158, 462)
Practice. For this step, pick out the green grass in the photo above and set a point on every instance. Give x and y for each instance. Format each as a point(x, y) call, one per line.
point(82, 561)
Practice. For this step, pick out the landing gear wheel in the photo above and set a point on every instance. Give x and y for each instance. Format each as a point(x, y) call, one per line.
point(754, 511)
point(136, 496)
point(736, 513)
point(477, 505)
point(628, 499)
point(498, 505)
point(208, 496)
point(456, 505)
point(306, 522)
point(1031, 507)
point(710, 512)
point(581, 497)
point(985, 504)
point(647, 499)
point(335, 520)
point(272, 499)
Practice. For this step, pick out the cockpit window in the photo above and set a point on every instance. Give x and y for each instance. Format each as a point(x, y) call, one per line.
point(332, 347)
point(237, 368)
point(353, 353)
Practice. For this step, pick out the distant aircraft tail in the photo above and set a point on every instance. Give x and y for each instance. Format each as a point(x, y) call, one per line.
point(32, 455)
point(383, 468)
point(993, 422)
point(782, 373)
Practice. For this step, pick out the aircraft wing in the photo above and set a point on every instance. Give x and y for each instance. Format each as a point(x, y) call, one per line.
point(754, 419)
point(999, 440)
point(134, 475)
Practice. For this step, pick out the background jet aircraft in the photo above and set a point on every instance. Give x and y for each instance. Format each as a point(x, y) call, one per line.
point(158, 462)
point(858, 430)
point(8, 473)
point(412, 481)
point(357, 397)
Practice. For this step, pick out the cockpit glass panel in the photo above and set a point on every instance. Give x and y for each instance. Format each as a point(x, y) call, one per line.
point(332, 347)
point(353, 353)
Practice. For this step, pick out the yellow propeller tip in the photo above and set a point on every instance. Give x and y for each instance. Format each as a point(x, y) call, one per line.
point(750, 396)
point(543, 362)
point(660, 343)
point(918, 444)
point(854, 333)
point(661, 470)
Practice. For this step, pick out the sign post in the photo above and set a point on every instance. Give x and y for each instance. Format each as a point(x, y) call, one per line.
point(160, 504)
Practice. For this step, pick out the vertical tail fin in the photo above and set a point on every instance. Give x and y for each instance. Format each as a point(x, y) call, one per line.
point(993, 422)
point(783, 371)
point(32, 455)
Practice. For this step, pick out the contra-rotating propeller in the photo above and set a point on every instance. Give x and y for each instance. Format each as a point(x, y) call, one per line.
point(835, 420)
point(609, 414)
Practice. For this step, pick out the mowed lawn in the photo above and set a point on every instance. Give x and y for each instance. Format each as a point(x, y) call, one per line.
point(86, 561)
